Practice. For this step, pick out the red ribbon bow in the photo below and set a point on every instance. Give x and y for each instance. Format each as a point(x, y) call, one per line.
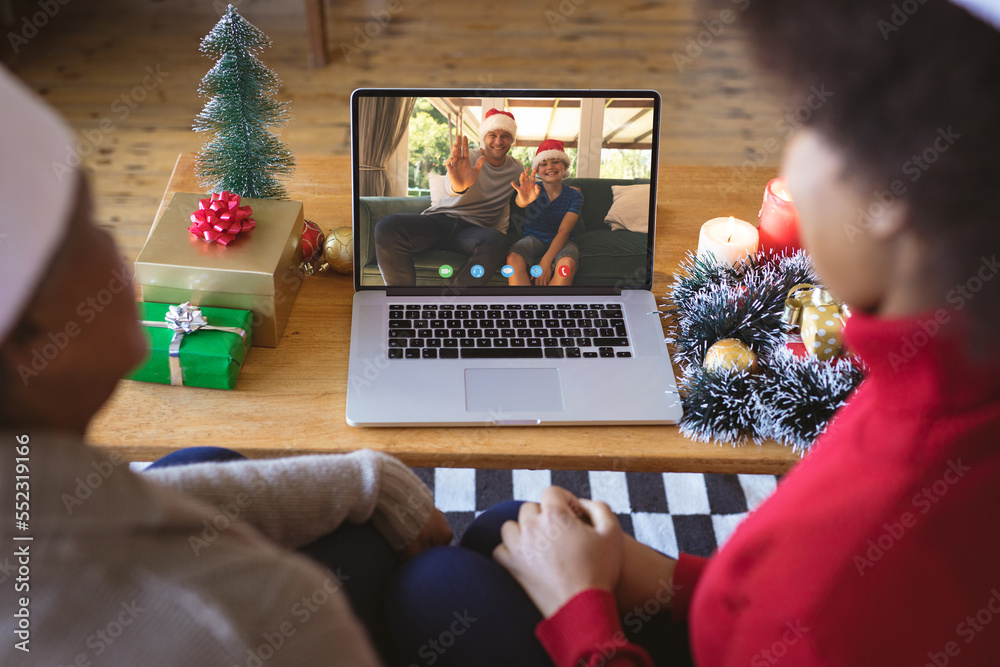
point(221, 218)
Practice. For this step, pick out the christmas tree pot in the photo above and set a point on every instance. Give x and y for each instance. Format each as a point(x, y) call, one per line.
point(258, 271)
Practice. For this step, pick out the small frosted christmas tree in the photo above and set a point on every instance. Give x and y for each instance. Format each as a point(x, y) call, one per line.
point(242, 157)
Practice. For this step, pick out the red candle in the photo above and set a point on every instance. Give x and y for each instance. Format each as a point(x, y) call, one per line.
point(779, 221)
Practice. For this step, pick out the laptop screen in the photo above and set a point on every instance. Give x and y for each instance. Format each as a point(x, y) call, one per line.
point(504, 191)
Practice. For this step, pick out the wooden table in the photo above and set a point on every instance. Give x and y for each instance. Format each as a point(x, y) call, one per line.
point(290, 399)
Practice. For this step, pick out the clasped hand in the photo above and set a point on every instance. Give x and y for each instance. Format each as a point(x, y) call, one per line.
point(561, 547)
point(435, 533)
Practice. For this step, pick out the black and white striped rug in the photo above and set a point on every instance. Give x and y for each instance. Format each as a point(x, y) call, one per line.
point(671, 512)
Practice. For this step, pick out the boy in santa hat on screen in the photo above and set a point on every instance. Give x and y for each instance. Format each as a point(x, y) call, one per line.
point(546, 255)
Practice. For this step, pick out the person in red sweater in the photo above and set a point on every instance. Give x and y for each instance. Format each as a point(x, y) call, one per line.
point(882, 546)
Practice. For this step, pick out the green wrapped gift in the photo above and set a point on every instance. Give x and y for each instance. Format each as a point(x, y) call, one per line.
point(192, 346)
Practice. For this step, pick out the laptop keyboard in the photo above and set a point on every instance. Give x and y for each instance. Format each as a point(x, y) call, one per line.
point(507, 331)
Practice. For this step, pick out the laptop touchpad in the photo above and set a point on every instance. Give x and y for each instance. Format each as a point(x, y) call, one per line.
point(500, 390)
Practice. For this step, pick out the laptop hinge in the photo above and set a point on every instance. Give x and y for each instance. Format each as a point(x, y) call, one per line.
point(452, 291)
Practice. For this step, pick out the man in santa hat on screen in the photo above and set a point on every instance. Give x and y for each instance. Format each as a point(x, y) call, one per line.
point(471, 218)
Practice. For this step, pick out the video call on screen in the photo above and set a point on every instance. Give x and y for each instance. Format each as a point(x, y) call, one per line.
point(607, 145)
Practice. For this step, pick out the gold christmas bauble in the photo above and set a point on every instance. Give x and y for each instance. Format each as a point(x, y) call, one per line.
point(730, 353)
point(339, 250)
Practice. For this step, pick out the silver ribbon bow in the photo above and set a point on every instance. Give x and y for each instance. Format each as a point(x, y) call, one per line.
point(185, 319)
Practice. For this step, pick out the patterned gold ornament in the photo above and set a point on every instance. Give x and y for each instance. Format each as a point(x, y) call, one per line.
point(730, 354)
point(339, 250)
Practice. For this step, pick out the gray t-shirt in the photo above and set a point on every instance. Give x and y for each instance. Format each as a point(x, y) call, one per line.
point(486, 203)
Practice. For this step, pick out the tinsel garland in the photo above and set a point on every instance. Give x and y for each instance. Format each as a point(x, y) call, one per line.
point(791, 399)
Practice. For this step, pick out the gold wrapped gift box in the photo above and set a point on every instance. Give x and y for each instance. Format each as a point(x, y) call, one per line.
point(258, 271)
point(818, 319)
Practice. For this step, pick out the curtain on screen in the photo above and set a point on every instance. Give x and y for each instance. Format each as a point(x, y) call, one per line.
point(382, 124)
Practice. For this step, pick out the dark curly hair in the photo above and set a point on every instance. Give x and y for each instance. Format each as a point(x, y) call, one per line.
point(914, 101)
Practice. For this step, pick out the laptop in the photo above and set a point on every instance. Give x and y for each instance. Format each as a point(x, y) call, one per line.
point(451, 327)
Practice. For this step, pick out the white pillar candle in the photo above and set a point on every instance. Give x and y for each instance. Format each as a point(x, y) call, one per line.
point(729, 239)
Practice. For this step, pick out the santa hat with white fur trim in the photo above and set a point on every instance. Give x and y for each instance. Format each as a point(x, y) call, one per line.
point(550, 149)
point(36, 197)
point(496, 119)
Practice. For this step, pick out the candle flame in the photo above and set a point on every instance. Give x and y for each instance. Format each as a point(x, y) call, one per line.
point(731, 229)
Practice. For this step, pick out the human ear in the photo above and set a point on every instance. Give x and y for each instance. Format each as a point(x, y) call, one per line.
point(887, 216)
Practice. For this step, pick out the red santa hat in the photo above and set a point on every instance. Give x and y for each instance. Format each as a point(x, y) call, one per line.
point(495, 119)
point(550, 149)
point(37, 193)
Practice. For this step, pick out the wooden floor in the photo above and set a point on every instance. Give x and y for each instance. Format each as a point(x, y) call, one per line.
point(132, 67)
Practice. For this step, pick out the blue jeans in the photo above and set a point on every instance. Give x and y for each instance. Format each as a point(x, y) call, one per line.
point(400, 235)
point(359, 552)
point(457, 606)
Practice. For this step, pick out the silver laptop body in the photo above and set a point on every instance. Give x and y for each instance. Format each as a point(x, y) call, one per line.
point(546, 380)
